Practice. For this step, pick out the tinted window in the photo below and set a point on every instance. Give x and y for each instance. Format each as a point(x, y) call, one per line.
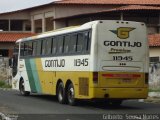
point(34, 48)
point(80, 42)
point(87, 39)
point(72, 45)
point(48, 46)
point(38, 52)
point(43, 47)
point(60, 44)
point(22, 49)
point(54, 45)
point(25, 49)
point(66, 43)
point(30, 49)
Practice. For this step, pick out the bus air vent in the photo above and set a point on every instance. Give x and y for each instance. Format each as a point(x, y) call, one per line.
point(83, 86)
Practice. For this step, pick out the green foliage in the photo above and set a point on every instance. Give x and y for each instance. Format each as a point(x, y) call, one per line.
point(4, 85)
point(154, 90)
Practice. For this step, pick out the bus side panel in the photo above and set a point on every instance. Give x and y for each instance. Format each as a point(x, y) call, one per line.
point(46, 78)
point(21, 74)
point(33, 75)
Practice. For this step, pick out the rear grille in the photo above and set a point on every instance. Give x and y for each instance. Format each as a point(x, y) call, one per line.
point(83, 86)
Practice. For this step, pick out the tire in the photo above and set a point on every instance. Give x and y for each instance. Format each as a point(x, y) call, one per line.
point(61, 93)
point(71, 95)
point(22, 89)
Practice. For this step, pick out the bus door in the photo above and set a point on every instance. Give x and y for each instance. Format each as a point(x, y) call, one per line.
point(13, 62)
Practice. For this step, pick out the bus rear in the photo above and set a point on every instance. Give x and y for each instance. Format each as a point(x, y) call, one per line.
point(122, 60)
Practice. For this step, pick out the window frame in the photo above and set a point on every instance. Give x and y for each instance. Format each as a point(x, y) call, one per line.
point(54, 43)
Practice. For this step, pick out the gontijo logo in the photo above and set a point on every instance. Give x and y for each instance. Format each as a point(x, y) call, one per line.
point(122, 32)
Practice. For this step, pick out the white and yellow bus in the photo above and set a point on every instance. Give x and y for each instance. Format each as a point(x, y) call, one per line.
point(103, 59)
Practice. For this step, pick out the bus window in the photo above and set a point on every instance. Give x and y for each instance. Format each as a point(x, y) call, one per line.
point(43, 46)
point(22, 49)
point(30, 49)
point(72, 44)
point(80, 42)
point(54, 45)
point(66, 43)
point(25, 49)
point(49, 46)
point(34, 48)
point(38, 52)
point(87, 39)
point(60, 44)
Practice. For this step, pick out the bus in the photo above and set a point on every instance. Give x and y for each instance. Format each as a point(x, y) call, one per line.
point(99, 60)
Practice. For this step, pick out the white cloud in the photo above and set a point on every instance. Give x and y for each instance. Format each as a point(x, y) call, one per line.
point(11, 5)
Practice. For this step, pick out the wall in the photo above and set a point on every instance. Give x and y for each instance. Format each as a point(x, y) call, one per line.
point(154, 51)
point(5, 71)
point(70, 10)
point(154, 69)
point(154, 76)
point(4, 45)
point(23, 15)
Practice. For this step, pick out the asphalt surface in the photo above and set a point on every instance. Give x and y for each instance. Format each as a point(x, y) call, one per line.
point(45, 107)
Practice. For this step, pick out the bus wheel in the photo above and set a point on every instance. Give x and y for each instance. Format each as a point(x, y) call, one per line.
point(61, 93)
point(22, 89)
point(71, 95)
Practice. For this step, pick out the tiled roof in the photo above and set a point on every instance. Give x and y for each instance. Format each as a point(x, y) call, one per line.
point(127, 2)
point(13, 36)
point(154, 40)
point(93, 2)
point(135, 7)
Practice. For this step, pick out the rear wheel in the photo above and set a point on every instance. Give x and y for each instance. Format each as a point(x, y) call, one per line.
point(61, 93)
point(71, 95)
point(22, 89)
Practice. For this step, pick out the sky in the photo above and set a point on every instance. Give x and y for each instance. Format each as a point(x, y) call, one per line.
point(12, 5)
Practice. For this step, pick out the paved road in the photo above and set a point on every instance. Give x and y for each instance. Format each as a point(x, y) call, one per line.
point(11, 102)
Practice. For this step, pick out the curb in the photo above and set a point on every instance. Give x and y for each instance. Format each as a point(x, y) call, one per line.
point(154, 94)
point(5, 89)
point(153, 97)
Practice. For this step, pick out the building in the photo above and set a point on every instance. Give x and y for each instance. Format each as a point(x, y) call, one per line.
point(13, 26)
point(7, 41)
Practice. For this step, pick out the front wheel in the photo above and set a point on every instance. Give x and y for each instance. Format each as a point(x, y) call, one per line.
point(71, 95)
point(22, 89)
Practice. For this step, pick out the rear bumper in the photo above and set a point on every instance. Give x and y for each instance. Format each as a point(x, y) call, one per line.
point(120, 93)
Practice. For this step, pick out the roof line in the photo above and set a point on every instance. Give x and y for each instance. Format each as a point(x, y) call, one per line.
point(122, 8)
point(62, 2)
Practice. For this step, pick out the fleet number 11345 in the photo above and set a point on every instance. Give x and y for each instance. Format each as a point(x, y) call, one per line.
point(122, 58)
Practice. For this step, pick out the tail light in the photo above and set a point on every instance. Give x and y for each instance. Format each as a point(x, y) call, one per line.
point(146, 78)
point(95, 77)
